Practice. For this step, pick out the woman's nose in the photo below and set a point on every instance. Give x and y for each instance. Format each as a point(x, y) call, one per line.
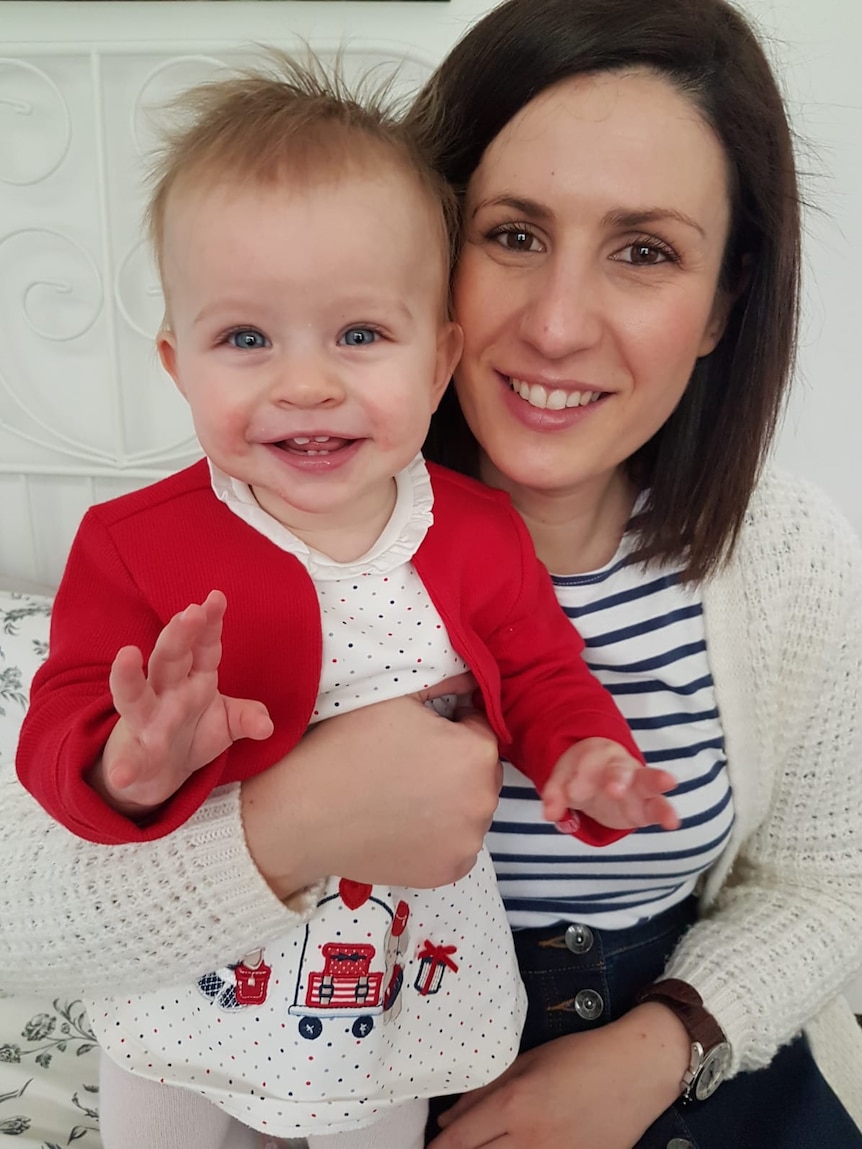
point(561, 313)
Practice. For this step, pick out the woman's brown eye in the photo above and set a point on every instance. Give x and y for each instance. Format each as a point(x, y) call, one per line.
point(644, 253)
point(517, 240)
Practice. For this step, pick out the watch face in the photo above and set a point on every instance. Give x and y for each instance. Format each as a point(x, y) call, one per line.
point(712, 1071)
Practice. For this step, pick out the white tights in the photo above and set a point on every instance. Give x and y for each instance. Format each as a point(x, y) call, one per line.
point(136, 1113)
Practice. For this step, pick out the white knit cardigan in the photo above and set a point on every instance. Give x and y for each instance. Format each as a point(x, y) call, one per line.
point(782, 926)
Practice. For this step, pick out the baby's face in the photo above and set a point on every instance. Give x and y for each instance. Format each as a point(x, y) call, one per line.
point(308, 334)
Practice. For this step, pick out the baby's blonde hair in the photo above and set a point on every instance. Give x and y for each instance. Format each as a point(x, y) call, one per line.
point(287, 120)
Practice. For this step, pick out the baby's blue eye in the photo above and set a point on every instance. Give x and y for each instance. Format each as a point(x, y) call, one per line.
point(247, 339)
point(358, 336)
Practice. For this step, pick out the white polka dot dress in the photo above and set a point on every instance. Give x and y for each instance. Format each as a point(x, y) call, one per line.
point(382, 637)
point(386, 994)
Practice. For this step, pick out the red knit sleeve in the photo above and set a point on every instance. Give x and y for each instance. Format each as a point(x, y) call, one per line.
point(550, 698)
point(98, 609)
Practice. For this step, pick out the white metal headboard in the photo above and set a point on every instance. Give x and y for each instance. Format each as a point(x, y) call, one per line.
point(86, 411)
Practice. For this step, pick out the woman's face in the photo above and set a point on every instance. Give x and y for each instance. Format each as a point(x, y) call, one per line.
point(587, 284)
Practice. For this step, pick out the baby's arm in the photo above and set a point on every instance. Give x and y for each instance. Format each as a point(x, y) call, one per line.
point(601, 779)
point(555, 709)
point(173, 720)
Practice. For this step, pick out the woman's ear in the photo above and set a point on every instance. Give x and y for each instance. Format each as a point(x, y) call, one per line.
point(725, 299)
point(450, 344)
point(723, 302)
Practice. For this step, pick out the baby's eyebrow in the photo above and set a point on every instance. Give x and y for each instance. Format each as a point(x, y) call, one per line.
point(638, 217)
point(221, 307)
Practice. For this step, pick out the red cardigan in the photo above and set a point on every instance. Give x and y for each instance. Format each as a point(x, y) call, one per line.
point(139, 559)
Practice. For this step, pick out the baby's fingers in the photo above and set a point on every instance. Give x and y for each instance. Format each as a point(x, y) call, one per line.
point(191, 640)
point(647, 811)
point(207, 650)
point(618, 778)
point(648, 782)
point(644, 799)
point(128, 683)
point(555, 802)
point(122, 774)
point(659, 812)
point(247, 718)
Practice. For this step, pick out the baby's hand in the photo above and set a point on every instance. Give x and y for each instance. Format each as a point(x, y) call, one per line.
point(173, 720)
point(601, 779)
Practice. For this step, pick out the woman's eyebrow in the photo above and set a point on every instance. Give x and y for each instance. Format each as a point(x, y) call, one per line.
point(617, 217)
point(526, 207)
point(638, 217)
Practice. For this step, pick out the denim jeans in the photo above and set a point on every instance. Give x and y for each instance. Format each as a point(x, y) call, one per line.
point(788, 1105)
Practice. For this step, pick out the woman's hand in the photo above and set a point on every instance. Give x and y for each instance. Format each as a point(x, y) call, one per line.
point(596, 1090)
point(390, 794)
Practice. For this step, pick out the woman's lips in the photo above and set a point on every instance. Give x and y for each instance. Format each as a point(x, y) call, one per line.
point(544, 407)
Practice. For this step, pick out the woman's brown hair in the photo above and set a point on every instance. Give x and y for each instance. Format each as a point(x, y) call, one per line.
point(700, 468)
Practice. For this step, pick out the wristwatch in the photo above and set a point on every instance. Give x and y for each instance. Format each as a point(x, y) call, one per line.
point(710, 1051)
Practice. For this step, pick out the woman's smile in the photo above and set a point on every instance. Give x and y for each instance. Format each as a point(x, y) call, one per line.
point(552, 397)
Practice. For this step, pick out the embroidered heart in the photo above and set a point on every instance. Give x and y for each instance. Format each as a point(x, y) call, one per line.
point(354, 894)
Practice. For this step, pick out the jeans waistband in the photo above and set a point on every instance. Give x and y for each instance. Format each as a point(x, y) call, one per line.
point(593, 946)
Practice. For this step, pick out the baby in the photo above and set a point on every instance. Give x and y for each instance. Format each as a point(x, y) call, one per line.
point(304, 250)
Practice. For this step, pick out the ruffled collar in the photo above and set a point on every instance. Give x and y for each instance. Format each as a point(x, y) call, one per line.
point(408, 524)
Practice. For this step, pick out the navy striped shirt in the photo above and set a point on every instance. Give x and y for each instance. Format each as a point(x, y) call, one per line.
point(645, 641)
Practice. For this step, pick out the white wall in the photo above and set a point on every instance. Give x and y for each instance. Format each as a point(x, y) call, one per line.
point(815, 47)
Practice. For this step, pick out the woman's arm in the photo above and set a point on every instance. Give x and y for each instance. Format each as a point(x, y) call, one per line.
point(783, 931)
point(392, 793)
point(784, 630)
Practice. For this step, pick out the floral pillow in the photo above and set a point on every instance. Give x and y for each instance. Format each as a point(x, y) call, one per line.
point(49, 1074)
point(49, 1061)
point(23, 646)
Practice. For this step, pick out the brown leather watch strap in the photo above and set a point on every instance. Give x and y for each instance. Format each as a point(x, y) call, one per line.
point(688, 1006)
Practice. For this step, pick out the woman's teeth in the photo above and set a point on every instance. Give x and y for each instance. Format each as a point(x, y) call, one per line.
point(557, 400)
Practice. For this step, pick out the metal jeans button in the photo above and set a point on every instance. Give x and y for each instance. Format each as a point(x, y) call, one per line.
point(579, 939)
point(679, 1143)
point(589, 1004)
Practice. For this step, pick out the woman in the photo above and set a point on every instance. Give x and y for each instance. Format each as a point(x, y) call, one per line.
point(627, 285)
point(631, 235)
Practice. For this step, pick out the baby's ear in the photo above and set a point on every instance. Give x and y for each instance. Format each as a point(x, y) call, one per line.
point(450, 343)
point(166, 345)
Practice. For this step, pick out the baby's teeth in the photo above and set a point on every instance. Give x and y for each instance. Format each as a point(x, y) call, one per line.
point(321, 438)
point(300, 442)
